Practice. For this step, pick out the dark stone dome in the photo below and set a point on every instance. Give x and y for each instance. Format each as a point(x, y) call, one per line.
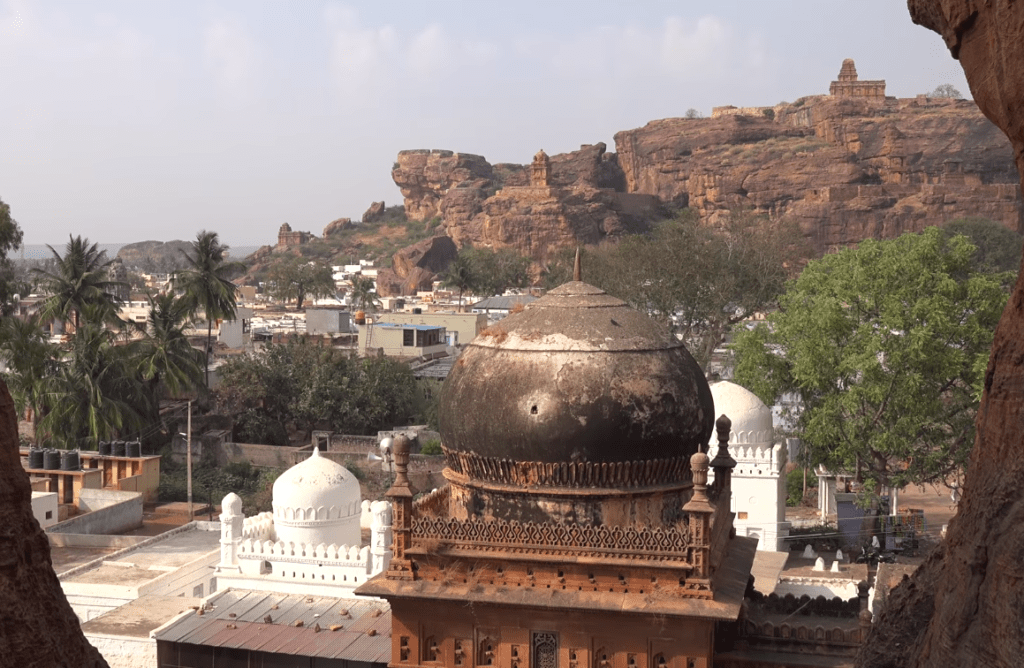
point(576, 377)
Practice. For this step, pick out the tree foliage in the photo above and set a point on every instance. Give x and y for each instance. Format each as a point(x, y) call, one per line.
point(305, 386)
point(998, 248)
point(699, 279)
point(206, 284)
point(297, 278)
point(947, 91)
point(489, 272)
point(364, 294)
point(886, 344)
point(79, 280)
point(10, 239)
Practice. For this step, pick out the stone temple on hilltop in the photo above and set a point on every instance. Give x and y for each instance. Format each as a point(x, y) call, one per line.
point(848, 85)
point(578, 528)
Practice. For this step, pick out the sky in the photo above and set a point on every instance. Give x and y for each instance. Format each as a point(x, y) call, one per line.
point(128, 121)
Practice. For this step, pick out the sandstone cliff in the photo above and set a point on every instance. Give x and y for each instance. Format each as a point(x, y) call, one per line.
point(963, 605)
point(844, 169)
point(415, 267)
point(38, 628)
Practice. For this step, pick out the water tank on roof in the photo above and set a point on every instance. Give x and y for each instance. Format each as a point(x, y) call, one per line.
point(105, 448)
point(133, 449)
point(69, 461)
point(118, 448)
point(360, 317)
point(35, 458)
point(51, 460)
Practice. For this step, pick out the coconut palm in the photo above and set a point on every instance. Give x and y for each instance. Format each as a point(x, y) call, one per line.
point(164, 354)
point(364, 293)
point(93, 393)
point(30, 360)
point(459, 274)
point(206, 286)
point(79, 279)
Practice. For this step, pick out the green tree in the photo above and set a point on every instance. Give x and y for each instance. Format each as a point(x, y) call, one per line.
point(94, 393)
point(164, 356)
point(364, 294)
point(296, 278)
point(459, 275)
point(206, 285)
point(30, 360)
point(10, 239)
point(886, 344)
point(492, 272)
point(946, 91)
point(699, 279)
point(999, 248)
point(78, 280)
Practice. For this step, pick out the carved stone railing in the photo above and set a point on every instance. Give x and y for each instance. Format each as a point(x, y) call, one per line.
point(617, 475)
point(658, 545)
point(435, 503)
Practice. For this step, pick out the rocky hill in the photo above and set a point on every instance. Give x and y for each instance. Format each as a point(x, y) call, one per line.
point(155, 256)
point(844, 168)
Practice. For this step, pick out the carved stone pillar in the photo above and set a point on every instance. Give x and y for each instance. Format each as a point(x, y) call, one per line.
point(401, 504)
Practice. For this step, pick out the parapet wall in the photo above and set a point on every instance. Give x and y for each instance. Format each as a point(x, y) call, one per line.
point(106, 511)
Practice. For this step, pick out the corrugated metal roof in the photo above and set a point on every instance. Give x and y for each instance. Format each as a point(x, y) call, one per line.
point(503, 303)
point(365, 634)
point(395, 325)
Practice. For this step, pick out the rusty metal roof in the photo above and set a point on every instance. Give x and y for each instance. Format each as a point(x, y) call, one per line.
point(238, 620)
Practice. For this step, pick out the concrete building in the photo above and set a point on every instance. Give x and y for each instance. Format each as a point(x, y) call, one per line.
point(460, 328)
point(329, 321)
point(402, 341)
point(759, 479)
point(502, 305)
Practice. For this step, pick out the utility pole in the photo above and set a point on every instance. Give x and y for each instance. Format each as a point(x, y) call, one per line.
point(188, 460)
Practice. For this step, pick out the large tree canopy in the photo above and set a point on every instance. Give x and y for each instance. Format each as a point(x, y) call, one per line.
point(297, 278)
point(886, 344)
point(10, 239)
point(700, 279)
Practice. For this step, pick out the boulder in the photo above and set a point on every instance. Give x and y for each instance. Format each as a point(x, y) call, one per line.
point(432, 255)
point(336, 226)
point(374, 213)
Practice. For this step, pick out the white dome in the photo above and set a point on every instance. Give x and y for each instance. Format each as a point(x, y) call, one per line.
point(751, 419)
point(231, 505)
point(317, 502)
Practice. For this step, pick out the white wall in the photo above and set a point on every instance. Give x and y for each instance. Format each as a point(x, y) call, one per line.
point(44, 508)
point(125, 652)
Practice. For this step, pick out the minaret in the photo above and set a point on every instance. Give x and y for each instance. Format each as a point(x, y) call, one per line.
point(401, 504)
point(231, 519)
point(380, 535)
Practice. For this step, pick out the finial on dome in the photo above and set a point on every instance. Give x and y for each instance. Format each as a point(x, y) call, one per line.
point(577, 267)
point(316, 451)
point(400, 448)
point(722, 458)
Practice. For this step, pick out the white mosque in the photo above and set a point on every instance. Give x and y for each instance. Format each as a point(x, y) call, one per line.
point(759, 479)
point(311, 542)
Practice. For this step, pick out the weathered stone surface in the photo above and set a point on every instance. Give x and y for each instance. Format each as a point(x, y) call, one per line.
point(424, 176)
point(845, 169)
point(963, 605)
point(416, 267)
point(374, 213)
point(38, 629)
point(336, 226)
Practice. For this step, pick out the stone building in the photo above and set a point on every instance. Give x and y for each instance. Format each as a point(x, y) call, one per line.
point(577, 529)
point(848, 85)
point(285, 237)
point(540, 170)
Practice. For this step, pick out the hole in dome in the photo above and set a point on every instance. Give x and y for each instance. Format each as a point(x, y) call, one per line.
point(533, 411)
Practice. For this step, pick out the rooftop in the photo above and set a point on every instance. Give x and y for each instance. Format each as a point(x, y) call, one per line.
point(313, 626)
point(138, 618)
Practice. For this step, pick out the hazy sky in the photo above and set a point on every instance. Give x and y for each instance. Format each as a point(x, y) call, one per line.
point(125, 121)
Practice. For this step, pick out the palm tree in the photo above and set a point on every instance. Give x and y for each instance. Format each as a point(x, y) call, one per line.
point(206, 286)
point(79, 279)
point(93, 394)
point(164, 355)
point(459, 274)
point(30, 360)
point(364, 293)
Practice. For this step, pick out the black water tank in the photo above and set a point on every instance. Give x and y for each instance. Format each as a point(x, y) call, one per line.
point(118, 448)
point(133, 448)
point(51, 460)
point(69, 460)
point(105, 448)
point(35, 458)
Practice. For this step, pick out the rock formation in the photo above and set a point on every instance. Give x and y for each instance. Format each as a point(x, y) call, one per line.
point(962, 607)
point(336, 226)
point(844, 168)
point(424, 176)
point(374, 213)
point(416, 267)
point(39, 629)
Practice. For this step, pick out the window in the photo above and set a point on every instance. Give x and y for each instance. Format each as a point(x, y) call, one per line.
point(49, 514)
point(197, 591)
point(408, 337)
point(545, 649)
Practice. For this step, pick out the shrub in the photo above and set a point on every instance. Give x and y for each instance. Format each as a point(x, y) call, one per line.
point(431, 447)
point(795, 486)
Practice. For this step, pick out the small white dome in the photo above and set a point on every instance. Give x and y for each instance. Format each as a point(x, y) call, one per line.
point(231, 505)
point(317, 501)
point(751, 419)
